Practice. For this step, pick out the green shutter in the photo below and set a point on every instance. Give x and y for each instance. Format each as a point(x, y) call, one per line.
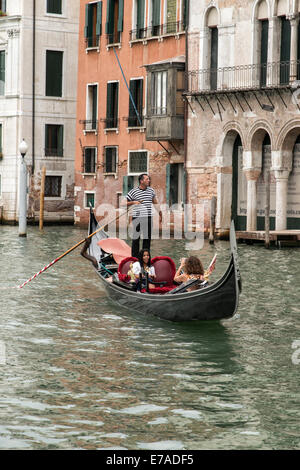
point(156, 13)
point(0, 140)
point(168, 177)
point(120, 15)
point(133, 94)
point(109, 25)
point(3, 6)
point(128, 183)
point(86, 27)
point(109, 104)
point(99, 19)
point(140, 17)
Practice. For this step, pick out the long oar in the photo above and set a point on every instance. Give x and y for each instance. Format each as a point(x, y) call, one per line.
point(69, 251)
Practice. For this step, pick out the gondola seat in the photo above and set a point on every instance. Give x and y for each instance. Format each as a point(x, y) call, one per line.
point(165, 270)
point(124, 267)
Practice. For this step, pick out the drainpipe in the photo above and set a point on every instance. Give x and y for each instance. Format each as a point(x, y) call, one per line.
point(33, 85)
point(186, 110)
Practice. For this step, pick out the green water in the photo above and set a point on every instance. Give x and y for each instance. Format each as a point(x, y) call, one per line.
point(80, 373)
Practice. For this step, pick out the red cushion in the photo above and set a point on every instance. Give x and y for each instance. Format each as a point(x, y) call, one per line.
point(124, 266)
point(165, 269)
point(160, 290)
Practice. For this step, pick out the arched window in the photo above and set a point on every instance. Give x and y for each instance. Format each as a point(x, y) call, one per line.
point(213, 49)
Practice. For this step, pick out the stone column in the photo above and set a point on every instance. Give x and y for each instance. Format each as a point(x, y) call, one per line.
point(294, 20)
point(252, 177)
point(281, 177)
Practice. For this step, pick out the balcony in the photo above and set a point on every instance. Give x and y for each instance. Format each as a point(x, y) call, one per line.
point(133, 122)
point(89, 125)
point(113, 39)
point(92, 42)
point(272, 75)
point(111, 123)
point(153, 32)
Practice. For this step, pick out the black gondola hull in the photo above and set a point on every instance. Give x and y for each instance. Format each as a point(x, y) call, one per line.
point(215, 302)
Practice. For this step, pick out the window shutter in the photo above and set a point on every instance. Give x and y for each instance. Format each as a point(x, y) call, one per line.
point(99, 19)
point(3, 6)
point(120, 16)
point(109, 17)
point(109, 104)
point(0, 140)
point(133, 94)
point(86, 27)
point(60, 140)
point(140, 14)
point(168, 178)
point(156, 13)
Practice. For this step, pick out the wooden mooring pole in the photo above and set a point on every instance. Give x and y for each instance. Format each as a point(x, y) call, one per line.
point(42, 198)
point(267, 211)
point(213, 204)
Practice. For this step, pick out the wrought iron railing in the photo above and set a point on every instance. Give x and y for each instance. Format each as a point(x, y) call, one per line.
point(92, 41)
point(113, 38)
point(54, 152)
point(111, 123)
point(243, 77)
point(89, 124)
point(134, 121)
point(158, 30)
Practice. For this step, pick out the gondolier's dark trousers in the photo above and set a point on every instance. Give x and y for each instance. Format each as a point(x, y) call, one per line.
point(142, 226)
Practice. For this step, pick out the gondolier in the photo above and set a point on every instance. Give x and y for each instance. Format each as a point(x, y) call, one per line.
point(143, 197)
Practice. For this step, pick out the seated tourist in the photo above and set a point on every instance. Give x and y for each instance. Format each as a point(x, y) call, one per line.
point(140, 268)
point(190, 268)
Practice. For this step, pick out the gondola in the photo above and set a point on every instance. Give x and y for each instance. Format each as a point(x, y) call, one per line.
point(216, 301)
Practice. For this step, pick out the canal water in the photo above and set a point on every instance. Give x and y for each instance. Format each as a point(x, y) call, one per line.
point(77, 372)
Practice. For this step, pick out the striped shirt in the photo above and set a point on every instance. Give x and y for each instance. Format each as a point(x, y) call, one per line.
point(146, 195)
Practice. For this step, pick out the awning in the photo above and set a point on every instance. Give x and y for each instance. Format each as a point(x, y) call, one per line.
point(118, 248)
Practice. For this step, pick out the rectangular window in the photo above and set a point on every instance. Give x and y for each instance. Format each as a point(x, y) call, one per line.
point(53, 186)
point(92, 107)
point(110, 159)
point(159, 92)
point(3, 5)
point(54, 135)
point(114, 21)
point(2, 72)
point(285, 51)
point(93, 23)
point(136, 92)
point(54, 73)
point(54, 6)
point(89, 163)
point(214, 58)
point(112, 105)
point(0, 185)
point(138, 162)
point(264, 24)
point(89, 200)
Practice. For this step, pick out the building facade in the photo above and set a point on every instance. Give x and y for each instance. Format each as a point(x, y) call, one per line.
point(244, 110)
point(38, 84)
point(130, 112)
